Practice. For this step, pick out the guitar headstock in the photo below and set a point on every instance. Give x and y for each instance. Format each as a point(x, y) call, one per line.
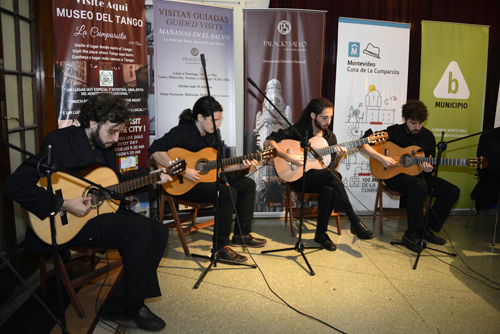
point(378, 137)
point(477, 162)
point(175, 167)
point(269, 152)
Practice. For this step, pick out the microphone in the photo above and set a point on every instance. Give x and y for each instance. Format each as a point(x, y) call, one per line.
point(202, 60)
point(119, 197)
point(251, 82)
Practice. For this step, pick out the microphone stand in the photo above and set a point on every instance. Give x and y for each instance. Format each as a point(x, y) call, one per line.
point(441, 146)
point(306, 145)
point(214, 256)
point(47, 169)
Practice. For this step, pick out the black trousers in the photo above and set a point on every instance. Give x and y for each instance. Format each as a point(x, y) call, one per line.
point(415, 188)
point(242, 190)
point(332, 195)
point(143, 242)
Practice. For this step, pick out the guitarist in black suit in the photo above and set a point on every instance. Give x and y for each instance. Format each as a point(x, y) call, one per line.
point(194, 133)
point(327, 182)
point(142, 240)
point(410, 133)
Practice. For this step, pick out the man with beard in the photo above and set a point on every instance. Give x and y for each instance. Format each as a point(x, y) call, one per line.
point(327, 182)
point(142, 240)
point(445, 194)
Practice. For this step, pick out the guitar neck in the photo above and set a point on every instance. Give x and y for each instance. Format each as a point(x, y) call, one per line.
point(444, 161)
point(235, 160)
point(348, 145)
point(127, 186)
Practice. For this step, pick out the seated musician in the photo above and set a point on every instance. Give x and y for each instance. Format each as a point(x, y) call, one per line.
point(327, 182)
point(142, 240)
point(195, 132)
point(416, 188)
point(487, 188)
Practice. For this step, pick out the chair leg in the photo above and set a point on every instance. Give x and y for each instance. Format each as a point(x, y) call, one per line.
point(375, 209)
point(381, 209)
point(338, 224)
point(161, 208)
point(178, 225)
point(70, 290)
point(496, 222)
point(287, 208)
point(96, 318)
point(290, 212)
point(43, 274)
point(470, 212)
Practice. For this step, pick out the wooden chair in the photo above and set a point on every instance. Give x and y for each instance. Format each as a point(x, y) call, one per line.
point(89, 255)
point(379, 206)
point(173, 202)
point(308, 212)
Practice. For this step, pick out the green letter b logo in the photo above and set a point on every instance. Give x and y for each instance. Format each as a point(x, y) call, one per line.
point(452, 82)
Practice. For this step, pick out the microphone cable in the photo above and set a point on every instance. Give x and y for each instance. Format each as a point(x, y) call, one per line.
point(264, 276)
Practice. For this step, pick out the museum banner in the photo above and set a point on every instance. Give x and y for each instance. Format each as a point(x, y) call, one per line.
point(182, 33)
point(100, 47)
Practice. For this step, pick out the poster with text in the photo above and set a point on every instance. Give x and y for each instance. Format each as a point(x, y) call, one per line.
point(371, 84)
point(452, 86)
point(182, 33)
point(100, 47)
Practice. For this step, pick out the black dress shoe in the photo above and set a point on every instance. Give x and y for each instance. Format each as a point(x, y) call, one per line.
point(117, 314)
point(325, 241)
point(411, 241)
point(247, 240)
point(226, 253)
point(433, 239)
point(147, 320)
point(362, 231)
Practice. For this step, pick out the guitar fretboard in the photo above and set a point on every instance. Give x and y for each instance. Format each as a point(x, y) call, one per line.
point(235, 160)
point(348, 145)
point(444, 161)
point(127, 186)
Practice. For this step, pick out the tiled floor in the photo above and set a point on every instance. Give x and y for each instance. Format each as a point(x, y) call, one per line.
point(363, 287)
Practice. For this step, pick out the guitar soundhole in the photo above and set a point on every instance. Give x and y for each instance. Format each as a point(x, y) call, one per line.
point(407, 160)
point(202, 166)
point(98, 197)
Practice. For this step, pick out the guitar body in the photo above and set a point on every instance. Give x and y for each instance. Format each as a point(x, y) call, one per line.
point(67, 186)
point(181, 185)
point(288, 171)
point(406, 162)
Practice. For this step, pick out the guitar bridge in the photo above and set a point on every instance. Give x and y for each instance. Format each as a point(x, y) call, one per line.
point(181, 179)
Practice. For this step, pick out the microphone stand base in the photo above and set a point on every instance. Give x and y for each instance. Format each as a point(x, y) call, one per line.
point(422, 247)
point(213, 262)
point(299, 247)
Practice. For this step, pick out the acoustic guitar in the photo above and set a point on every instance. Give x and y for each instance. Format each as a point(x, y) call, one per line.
point(409, 160)
point(205, 162)
point(68, 186)
point(290, 172)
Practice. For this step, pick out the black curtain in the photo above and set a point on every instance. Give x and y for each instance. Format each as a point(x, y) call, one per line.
point(481, 12)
